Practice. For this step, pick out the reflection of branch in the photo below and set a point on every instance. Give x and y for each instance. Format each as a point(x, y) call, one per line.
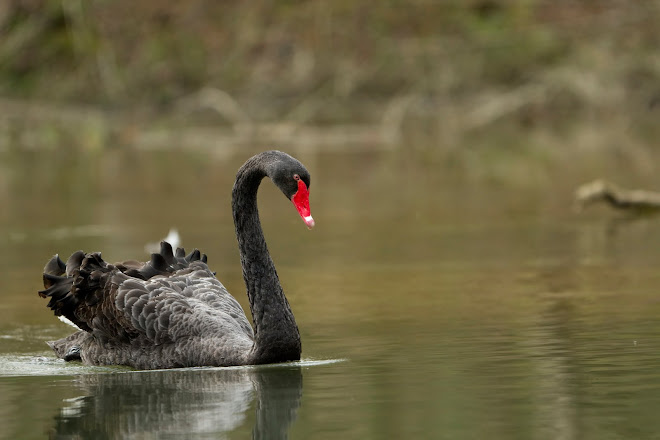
point(180, 403)
point(633, 201)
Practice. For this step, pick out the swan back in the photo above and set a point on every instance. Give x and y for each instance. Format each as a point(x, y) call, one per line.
point(168, 302)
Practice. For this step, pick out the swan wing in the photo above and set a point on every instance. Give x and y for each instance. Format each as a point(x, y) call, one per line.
point(168, 298)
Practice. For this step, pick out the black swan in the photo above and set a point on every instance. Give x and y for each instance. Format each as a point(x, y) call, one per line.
point(172, 311)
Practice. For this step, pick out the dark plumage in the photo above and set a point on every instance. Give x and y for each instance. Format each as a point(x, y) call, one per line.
point(172, 311)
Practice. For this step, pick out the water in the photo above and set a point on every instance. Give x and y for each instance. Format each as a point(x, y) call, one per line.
point(431, 304)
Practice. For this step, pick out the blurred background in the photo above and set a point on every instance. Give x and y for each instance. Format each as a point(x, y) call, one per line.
point(553, 78)
point(448, 271)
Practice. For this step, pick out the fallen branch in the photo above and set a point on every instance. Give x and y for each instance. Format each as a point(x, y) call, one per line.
point(634, 201)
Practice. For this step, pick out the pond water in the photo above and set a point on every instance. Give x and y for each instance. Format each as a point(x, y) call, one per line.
point(431, 304)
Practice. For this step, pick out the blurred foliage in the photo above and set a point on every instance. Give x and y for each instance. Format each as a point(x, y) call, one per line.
point(454, 65)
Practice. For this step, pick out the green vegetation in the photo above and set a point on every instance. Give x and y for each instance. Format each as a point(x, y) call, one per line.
point(446, 70)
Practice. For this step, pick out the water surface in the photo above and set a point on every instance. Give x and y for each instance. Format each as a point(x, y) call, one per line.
point(458, 308)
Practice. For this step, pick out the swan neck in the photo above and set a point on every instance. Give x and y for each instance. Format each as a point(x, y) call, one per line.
point(277, 338)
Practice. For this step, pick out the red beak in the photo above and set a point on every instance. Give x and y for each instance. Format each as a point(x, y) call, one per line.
point(301, 201)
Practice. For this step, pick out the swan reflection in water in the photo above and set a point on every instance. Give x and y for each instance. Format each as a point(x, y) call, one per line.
point(181, 403)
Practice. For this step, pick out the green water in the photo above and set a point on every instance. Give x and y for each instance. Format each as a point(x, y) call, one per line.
point(431, 305)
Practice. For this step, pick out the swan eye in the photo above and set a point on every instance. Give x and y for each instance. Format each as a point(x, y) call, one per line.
point(296, 177)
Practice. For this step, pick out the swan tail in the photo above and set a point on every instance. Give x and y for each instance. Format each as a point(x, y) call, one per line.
point(59, 287)
point(78, 282)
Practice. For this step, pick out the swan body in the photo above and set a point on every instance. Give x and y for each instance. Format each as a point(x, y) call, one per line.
point(172, 311)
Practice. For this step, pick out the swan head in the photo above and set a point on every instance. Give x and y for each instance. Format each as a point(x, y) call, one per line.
point(292, 178)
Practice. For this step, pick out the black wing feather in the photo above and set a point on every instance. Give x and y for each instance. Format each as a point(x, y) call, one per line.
point(125, 299)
